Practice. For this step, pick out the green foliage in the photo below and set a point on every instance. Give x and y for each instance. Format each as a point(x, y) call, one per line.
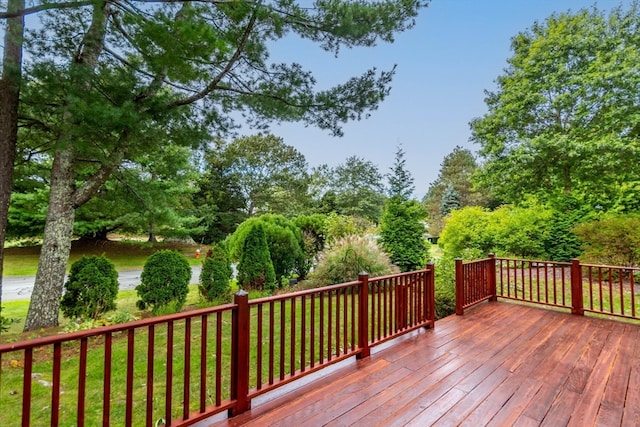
point(613, 240)
point(98, 94)
point(271, 175)
point(402, 233)
point(466, 228)
point(216, 274)
point(219, 201)
point(339, 226)
point(255, 269)
point(456, 170)
point(520, 231)
point(91, 289)
point(561, 242)
point(566, 110)
point(349, 256)
point(353, 188)
point(314, 231)
point(400, 180)
point(284, 241)
point(164, 282)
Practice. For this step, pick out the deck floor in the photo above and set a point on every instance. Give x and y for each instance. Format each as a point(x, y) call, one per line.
point(500, 364)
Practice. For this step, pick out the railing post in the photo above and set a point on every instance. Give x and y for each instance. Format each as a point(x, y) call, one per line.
point(492, 277)
point(363, 316)
point(240, 354)
point(459, 287)
point(430, 294)
point(576, 288)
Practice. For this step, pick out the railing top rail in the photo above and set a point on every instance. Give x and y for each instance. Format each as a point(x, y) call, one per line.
point(305, 292)
point(614, 267)
point(103, 330)
point(389, 276)
point(476, 261)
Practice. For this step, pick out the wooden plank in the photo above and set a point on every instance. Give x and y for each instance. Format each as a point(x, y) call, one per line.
point(617, 388)
point(389, 394)
point(586, 409)
point(472, 399)
point(499, 364)
point(513, 395)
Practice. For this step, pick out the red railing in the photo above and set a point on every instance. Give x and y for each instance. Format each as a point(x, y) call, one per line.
point(182, 368)
point(598, 289)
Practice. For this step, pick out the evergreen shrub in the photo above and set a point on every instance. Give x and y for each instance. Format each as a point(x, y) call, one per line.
point(255, 269)
point(91, 288)
point(164, 282)
point(216, 274)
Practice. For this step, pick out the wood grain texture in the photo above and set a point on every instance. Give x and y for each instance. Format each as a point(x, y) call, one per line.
point(500, 364)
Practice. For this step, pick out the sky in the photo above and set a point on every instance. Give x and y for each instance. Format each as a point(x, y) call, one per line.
point(445, 63)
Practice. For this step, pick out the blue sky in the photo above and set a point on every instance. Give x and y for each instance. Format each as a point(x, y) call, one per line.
point(444, 65)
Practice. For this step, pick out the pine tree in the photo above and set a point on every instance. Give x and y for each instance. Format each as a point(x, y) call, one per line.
point(255, 270)
point(402, 233)
point(400, 180)
point(450, 201)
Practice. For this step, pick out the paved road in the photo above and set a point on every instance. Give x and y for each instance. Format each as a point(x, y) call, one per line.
point(20, 287)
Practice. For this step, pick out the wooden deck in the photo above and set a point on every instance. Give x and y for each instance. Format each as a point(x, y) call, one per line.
point(500, 364)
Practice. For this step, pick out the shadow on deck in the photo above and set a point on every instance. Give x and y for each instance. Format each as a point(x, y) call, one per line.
point(500, 364)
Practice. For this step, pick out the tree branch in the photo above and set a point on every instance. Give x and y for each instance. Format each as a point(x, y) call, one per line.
point(232, 61)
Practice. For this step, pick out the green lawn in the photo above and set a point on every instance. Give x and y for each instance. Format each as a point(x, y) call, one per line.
point(11, 380)
point(126, 255)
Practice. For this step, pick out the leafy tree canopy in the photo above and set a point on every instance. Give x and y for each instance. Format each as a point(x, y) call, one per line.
point(352, 188)
point(564, 117)
point(108, 81)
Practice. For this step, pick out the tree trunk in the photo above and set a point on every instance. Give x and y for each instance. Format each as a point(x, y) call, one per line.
point(152, 233)
point(64, 198)
point(56, 246)
point(10, 96)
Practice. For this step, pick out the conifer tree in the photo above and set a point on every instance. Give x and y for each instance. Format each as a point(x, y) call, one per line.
point(255, 269)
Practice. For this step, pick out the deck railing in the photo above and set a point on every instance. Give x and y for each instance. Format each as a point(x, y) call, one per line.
point(599, 289)
point(182, 368)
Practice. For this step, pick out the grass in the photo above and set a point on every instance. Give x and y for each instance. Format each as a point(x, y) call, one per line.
point(11, 380)
point(126, 255)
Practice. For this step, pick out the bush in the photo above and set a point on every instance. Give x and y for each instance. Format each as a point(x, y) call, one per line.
point(402, 233)
point(164, 281)
point(216, 274)
point(284, 241)
point(255, 270)
point(349, 256)
point(613, 239)
point(91, 289)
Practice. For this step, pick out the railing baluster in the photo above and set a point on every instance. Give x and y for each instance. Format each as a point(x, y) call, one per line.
point(259, 350)
point(345, 327)
point(303, 332)
point(321, 327)
point(329, 326)
point(312, 339)
point(272, 361)
point(204, 326)
point(26, 387)
point(282, 340)
point(55, 386)
point(218, 358)
point(169, 372)
point(106, 385)
point(186, 397)
point(292, 346)
point(129, 381)
point(150, 359)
